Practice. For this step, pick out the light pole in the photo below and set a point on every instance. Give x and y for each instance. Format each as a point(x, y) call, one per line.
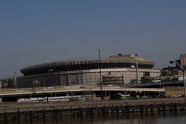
point(100, 81)
point(14, 78)
point(137, 79)
point(182, 68)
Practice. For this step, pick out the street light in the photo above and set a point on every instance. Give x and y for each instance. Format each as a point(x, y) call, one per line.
point(100, 75)
point(14, 78)
point(137, 79)
point(182, 68)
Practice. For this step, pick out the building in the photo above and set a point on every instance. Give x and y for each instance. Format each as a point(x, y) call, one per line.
point(173, 71)
point(7, 83)
point(183, 59)
point(116, 70)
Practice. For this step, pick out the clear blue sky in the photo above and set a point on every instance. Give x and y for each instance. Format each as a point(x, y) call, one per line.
point(38, 31)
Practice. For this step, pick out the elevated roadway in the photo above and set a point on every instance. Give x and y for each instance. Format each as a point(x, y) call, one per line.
point(60, 89)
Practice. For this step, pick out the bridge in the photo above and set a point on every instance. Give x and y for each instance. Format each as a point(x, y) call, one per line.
point(62, 90)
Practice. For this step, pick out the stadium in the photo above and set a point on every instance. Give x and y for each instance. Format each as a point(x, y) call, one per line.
point(114, 70)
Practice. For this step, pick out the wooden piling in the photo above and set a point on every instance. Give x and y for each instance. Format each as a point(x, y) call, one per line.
point(5, 116)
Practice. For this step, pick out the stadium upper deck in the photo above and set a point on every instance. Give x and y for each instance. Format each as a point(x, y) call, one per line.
point(117, 61)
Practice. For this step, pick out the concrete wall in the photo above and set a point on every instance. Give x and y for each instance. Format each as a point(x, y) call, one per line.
point(174, 91)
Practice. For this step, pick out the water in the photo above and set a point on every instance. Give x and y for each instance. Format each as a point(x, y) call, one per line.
point(168, 118)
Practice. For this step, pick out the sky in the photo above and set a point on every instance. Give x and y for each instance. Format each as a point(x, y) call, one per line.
point(39, 31)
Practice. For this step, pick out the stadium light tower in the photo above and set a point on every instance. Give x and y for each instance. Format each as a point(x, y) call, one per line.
point(182, 68)
point(100, 81)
